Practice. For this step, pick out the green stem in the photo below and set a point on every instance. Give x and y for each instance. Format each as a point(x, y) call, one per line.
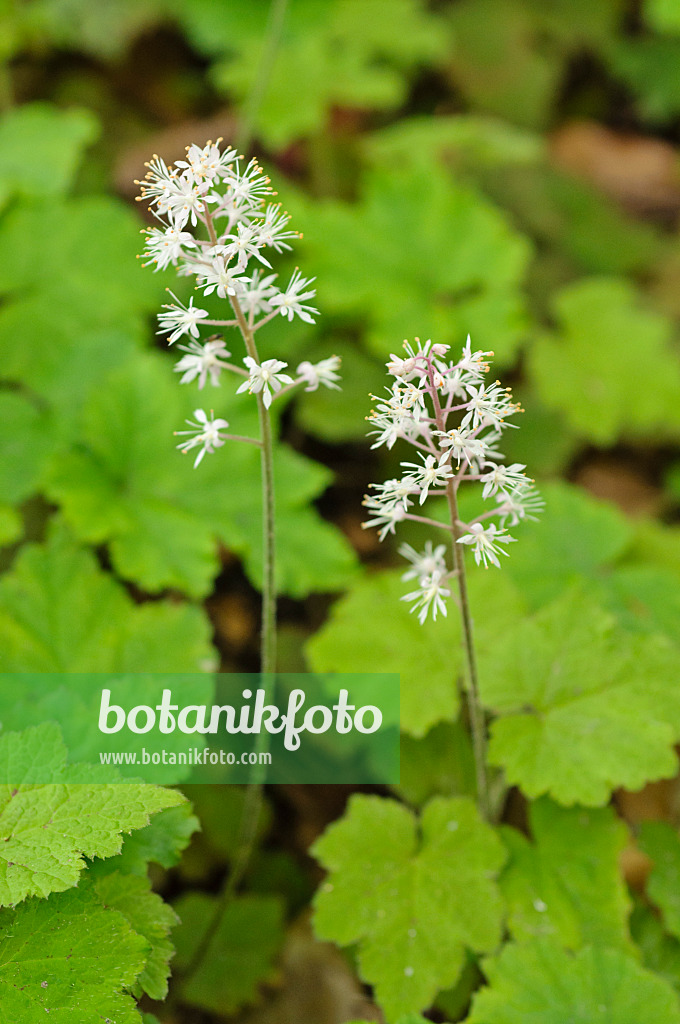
point(253, 802)
point(474, 704)
point(273, 31)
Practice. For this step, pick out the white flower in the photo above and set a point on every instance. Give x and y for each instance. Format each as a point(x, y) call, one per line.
point(425, 563)
point(488, 406)
point(244, 244)
point(384, 515)
point(220, 278)
point(166, 247)
point(324, 372)
point(432, 473)
point(486, 543)
point(462, 443)
point(255, 293)
point(183, 200)
point(207, 163)
point(263, 376)
point(392, 492)
point(206, 432)
point(474, 362)
point(292, 301)
point(430, 596)
point(503, 478)
point(180, 320)
point(272, 231)
point(202, 360)
point(521, 504)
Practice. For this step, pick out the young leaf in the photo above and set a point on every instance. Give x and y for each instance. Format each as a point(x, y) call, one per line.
point(48, 829)
point(583, 705)
point(70, 958)
point(567, 885)
point(413, 895)
point(540, 981)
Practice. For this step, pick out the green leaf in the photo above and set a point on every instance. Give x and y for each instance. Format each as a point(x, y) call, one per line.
point(240, 954)
point(662, 844)
point(11, 526)
point(125, 484)
point(577, 536)
point(25, 448)
point(439, 763)
point(503, 72)
point(60, 613)
point(40, 147)
point(662, 15)
point(372, 630)
point(649, 66)
point(584, 706)
point(660, 952)
point(606, 388)
point(71, 958)
point(543, 982)
point(149, 917)
point(337, 54)
point(565, 890)
point(49, 829)
point(448, 261)
point(413, 895)
point(162, 841)
point(460, 138)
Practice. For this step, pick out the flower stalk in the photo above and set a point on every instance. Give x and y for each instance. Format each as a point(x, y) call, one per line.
point(428, 390)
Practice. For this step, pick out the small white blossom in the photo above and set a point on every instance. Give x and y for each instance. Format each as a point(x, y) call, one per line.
point(324, 372)
point(425, 563)
point(272, 231)
point(523, 503)
point(256, 293)
point(432, 473)
point(462, 444)
point(385, 516)
point(264, 376)
point(207, 163)
point(220, 278)
point(244, 244)
point(485, 543)
point(180, 319)
point(488, 406)
point(201, 361)
point(206, 433)
point(292, 302)
point(503, 478)
point(166, 247)
point(430, 596)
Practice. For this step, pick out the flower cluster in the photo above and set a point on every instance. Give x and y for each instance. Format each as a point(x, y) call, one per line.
point(216, 221)
point(454, 420)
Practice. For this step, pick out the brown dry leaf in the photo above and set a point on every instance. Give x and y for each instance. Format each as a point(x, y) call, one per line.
point(643, 174)
point(317, 986)
point(614, 480)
